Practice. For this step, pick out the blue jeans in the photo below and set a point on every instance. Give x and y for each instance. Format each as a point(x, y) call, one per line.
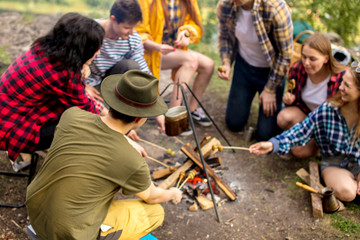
point(246, 82)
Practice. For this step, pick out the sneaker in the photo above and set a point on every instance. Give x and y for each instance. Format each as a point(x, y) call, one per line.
point(186, 133)
point(18, 165)
point(199, 116)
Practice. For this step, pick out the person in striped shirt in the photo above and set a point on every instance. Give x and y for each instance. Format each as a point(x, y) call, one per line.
point(335, 126)
point(121, 51)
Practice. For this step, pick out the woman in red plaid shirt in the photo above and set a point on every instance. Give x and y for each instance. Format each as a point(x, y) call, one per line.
point(46, 80)
point(317, 77)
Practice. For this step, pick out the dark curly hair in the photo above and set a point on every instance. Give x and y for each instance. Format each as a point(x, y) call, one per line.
point(73, 41)
point(126, 11)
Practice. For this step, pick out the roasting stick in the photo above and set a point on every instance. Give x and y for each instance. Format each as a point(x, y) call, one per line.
point(220, 147)
point(190, 176)
point(171, 168)
point(177, 139)
point(168, 151)
point(182, 175)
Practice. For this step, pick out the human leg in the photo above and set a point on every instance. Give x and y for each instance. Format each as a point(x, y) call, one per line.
point(205, 70)
point(187, 63)
point(240, 97)
point(342, 181)
point(267, 126)
point(309, 150)
point(289, 116)
point(131, 219)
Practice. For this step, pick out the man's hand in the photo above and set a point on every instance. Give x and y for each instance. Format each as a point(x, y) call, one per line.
point(177, 195)
point(268, 102)
point(93, 92)
point(288, 98)
point(133, 135)
point(223, 72)
point(261, 148)
point(161, 123)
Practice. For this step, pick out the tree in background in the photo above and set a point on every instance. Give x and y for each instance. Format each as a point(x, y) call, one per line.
point(339, 16)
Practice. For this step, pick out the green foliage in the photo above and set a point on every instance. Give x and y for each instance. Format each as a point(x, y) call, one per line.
point(101, 4)
point(345, 225)
point(329, 16)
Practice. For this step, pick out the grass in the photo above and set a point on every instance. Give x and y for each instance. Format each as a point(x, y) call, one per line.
point(348, 227)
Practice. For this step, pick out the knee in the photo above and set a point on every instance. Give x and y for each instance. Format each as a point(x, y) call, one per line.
point(345, 193)
point(208, 65)
point(284, 120)
point(234, 126)
point(191, 61)
point(160, 213)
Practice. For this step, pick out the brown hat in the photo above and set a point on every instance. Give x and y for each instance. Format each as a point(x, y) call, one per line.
point(134, 93)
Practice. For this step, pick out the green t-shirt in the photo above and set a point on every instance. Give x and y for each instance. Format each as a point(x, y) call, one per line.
point(86, 165)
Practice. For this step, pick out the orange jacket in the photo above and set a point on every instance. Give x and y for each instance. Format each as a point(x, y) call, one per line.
point(152, 28)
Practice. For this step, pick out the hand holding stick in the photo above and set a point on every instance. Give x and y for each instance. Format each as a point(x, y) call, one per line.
point(291, 85)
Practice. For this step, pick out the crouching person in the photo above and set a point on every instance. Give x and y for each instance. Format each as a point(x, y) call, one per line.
point(335, 126)
point(90, 160)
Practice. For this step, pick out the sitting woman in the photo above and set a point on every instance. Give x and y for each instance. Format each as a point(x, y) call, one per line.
point(317, 77)
point(166, 39)
point(335, 126)
point(45, 81)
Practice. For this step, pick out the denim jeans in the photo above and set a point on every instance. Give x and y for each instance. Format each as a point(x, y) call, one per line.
point(247, 81)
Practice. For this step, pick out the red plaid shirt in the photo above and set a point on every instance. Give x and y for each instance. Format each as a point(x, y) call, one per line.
point(32, 93)
point(297, 72)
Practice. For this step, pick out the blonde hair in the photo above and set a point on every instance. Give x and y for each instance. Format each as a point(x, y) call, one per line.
point(336, 100)
point(321, 43)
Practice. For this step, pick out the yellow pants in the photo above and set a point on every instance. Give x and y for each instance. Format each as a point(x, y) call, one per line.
point(131, 219)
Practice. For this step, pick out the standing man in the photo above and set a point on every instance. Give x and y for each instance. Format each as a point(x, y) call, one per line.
point(90, 160)
point(257, 35)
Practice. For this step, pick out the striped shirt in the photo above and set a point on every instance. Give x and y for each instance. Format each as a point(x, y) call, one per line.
point(112, 52)
point(329, 129)
point(297, 72)
point(273, 25)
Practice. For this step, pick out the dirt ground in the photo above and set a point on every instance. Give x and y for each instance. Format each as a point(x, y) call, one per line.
point(268, 204)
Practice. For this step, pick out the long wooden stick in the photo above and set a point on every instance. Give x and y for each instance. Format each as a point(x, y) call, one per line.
point(155, 160)
point(231, 147)
point(177, 139)
point(221, 147)
point(153, 144)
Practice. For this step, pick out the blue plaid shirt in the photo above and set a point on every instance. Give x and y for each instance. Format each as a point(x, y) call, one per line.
point(329, 129)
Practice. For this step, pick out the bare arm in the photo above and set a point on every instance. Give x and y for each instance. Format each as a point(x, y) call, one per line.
point(159, 195)
point(163, 48)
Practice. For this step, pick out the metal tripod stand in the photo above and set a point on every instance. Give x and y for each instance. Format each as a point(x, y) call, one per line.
point(179, 86)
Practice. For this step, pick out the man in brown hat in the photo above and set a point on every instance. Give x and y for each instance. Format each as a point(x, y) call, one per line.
point(90, 160)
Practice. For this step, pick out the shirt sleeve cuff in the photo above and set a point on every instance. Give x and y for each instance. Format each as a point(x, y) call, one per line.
point(275, 143)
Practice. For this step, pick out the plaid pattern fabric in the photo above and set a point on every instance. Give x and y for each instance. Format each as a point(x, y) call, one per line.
point(169, 35)
point(274, 32)
point(328, 128)
point(32, 93)
point(297, 72)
